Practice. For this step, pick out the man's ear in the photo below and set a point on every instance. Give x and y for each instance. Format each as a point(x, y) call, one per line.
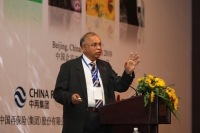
point(83, 48)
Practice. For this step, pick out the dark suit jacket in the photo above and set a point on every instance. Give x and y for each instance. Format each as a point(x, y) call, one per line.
point(71, 79)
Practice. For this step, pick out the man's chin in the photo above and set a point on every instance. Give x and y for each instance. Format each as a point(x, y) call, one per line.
point(97, 56)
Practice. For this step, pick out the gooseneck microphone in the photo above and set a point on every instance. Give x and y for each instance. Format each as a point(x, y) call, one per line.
point(112, 77)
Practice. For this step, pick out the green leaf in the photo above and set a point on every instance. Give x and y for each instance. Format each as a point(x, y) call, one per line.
point(101, 14)
point(146, 99)
point(111, 3)
point(94, 7)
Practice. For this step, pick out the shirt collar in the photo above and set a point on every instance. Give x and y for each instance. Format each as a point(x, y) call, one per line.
point(87, 60)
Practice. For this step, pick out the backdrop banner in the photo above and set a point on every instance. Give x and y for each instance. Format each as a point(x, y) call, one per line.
point(37, 36)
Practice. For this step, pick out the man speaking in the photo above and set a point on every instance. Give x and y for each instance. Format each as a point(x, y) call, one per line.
point(86, 83)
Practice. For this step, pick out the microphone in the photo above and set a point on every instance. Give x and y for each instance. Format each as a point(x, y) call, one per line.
point(112, 77)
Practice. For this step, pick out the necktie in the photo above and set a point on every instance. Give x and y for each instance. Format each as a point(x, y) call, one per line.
point(95, 78)
point(96, 83)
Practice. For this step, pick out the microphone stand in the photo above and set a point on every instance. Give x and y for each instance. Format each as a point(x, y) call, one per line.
point(130, 87)
point(125, 84)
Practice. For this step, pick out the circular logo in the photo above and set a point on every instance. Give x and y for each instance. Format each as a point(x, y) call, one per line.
point(20, 97)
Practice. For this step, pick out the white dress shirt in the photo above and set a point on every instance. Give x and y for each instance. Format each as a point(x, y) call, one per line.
point(89, 83)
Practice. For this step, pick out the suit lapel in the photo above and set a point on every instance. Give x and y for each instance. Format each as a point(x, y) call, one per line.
point(103, 73)
point(81, 75)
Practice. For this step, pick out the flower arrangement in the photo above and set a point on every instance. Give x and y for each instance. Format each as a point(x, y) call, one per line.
point(150, 86)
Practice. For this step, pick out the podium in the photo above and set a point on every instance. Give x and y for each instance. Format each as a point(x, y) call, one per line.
point(129, 113)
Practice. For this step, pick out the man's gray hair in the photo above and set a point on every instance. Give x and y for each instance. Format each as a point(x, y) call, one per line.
point(85, 36)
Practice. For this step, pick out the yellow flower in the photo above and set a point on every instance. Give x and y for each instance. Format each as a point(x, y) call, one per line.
point(139, 80)
point(171, 90)
point(168, 92)
point(151, 85)
point(152, 96)
point(150, 76)
point(148, 80)
point(160, 83)
point(157, 79)
point(171, 93)
point(173, 97)
point(176, 104)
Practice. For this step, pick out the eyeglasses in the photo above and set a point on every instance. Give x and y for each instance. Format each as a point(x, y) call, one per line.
point(95, 45)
